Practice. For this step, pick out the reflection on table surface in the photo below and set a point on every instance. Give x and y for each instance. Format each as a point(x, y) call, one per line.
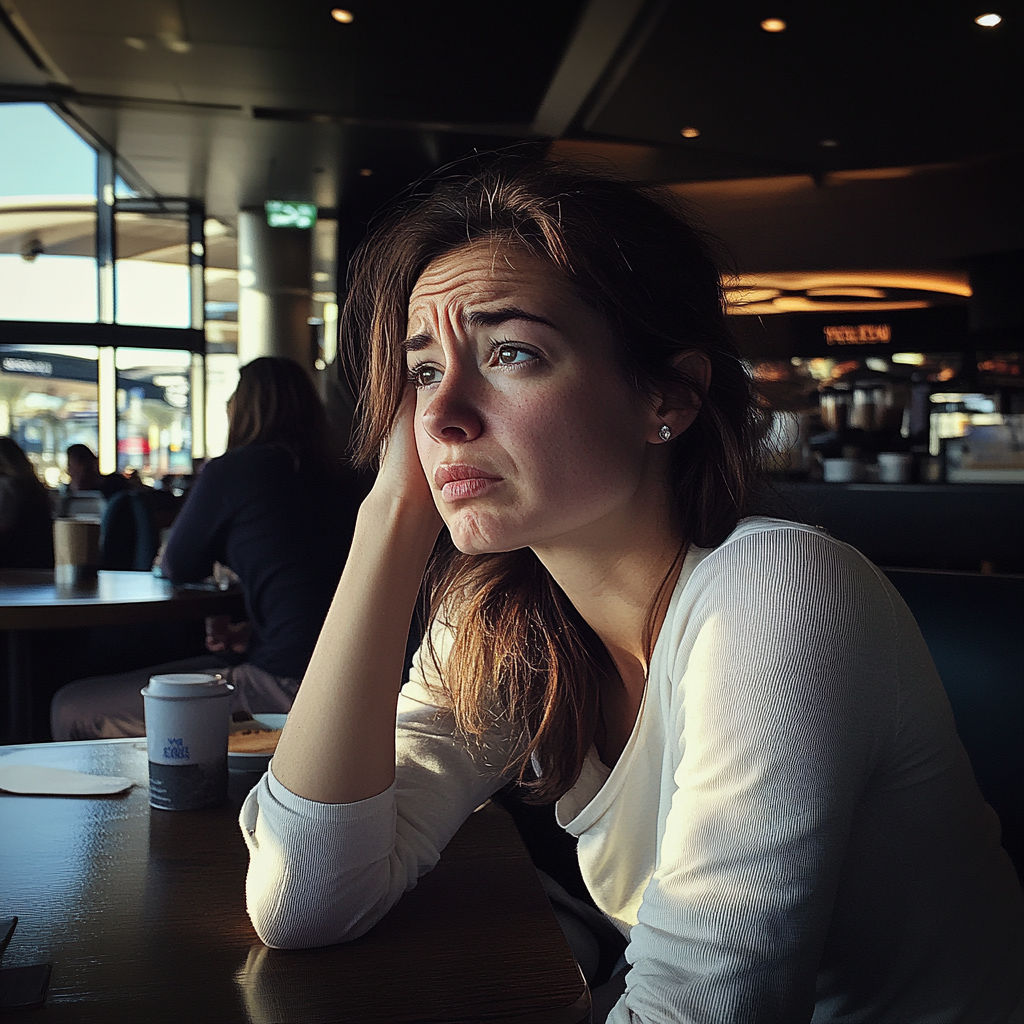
point(142, 913)
point(26, 595)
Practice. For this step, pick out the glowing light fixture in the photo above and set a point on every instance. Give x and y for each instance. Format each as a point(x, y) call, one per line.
point(773, 25)
point(689, 132)
point(345, 17)
point(987, 20)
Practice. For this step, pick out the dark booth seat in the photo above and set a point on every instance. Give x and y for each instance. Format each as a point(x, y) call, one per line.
point(974, 627)
point(128, 532)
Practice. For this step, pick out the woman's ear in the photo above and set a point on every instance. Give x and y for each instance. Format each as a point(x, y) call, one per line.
point(676, 409)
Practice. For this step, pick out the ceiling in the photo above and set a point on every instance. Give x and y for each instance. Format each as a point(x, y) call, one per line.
point(867, 135)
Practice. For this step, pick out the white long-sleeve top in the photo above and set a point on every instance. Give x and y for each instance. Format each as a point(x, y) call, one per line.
point(793, 832)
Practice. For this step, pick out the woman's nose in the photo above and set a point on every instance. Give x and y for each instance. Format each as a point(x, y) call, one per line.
point(452, 415)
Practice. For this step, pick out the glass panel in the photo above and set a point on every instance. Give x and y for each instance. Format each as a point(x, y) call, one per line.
point(47, 218)
point(49, 400)
point(151, 271)
point(154, 413)
point(221, 381)
point(221, 331)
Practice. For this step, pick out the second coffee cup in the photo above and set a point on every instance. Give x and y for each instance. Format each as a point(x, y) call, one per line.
point(76, 552)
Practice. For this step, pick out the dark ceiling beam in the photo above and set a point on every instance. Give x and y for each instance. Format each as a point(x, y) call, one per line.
point(603, 32)
point(392, 124)
point(17, 28)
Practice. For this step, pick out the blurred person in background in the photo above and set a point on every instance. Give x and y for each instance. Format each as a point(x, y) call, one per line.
point(26, 530)
point(84, 470)
point(275, 510)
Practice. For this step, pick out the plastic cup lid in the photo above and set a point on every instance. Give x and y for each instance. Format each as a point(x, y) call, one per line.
point(186, 684)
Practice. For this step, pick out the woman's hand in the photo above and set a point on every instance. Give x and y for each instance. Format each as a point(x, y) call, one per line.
point(224, 635)
point(401, 474)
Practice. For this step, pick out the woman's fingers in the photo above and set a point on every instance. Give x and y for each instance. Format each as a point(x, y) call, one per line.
point(400, 470)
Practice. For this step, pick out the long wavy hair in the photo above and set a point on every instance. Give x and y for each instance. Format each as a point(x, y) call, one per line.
point(521, 651)
point(276, 403)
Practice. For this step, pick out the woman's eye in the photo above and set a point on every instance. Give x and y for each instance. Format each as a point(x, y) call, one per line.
point(508, 355)
point(424, 375)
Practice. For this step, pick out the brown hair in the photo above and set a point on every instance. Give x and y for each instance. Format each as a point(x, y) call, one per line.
point(275, 403)
point(15, 463)
point(520, 648)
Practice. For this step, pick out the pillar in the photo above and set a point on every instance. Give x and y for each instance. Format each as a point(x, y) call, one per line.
point(274, 290)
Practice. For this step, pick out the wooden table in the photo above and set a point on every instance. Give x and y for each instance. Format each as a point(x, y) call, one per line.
point(142, 914)
point(29, 600)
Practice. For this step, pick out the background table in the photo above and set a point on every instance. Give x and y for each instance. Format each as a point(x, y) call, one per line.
point(142, 913)
point(30, 600)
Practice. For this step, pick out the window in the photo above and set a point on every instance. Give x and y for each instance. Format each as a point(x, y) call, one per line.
point(151, 271)
point(47, 218)
point(49, 399)
point(154, 412)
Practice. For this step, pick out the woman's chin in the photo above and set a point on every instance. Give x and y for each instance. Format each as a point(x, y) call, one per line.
point(475, 535)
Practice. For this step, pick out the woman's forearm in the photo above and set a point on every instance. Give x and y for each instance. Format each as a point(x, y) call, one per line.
point(339, 743)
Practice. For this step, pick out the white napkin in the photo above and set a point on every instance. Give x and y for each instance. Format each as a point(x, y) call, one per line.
point(36, 780)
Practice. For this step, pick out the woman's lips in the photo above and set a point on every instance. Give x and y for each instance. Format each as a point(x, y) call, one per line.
point(457, 481)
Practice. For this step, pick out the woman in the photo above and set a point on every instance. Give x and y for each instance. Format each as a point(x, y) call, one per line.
point(26, 529)
point(273, 509)
point(737, 716)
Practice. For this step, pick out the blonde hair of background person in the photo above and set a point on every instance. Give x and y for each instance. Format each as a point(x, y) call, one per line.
point(737, 716)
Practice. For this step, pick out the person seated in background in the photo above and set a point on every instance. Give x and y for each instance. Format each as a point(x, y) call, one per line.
point(275, 509)
point(84, 470)
point(26, 529)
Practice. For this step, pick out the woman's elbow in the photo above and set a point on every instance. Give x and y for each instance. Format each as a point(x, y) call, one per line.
point(311, 917)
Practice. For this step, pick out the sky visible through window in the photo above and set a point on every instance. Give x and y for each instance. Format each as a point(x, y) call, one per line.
point(42, 156)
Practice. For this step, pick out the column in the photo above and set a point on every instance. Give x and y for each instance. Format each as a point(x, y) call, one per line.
point(274, 290)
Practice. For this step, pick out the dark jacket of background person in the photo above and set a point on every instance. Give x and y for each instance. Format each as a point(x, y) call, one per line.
point(282, 530)
point(26, 529)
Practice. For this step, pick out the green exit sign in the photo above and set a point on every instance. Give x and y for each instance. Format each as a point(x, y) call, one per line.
point(281, 214)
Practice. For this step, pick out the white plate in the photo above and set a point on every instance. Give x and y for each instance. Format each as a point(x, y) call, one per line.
point(256, 762)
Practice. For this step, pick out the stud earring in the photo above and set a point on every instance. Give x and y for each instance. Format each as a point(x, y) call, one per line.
point(665, 433)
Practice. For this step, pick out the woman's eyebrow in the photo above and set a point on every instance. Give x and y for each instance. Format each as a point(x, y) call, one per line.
point(416, 342)
point(495, 317)
point(480, 318)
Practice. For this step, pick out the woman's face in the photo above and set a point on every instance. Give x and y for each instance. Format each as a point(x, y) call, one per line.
point(526, 430)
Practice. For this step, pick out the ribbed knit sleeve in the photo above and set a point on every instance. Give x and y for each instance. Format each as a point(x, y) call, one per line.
point(325, 873)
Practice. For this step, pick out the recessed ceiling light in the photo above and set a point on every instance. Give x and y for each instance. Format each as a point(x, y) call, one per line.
point(773, 25)
point(366, 172)
point(689, 132)
point(987, 20)
point(135, 43)
point(829, 143)
point(345, 17)
point(174, 42)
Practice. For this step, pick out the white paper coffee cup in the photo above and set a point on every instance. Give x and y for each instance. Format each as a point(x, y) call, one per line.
point(187, 716)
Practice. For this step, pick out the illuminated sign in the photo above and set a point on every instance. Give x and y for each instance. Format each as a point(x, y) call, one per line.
point(37, 367)
point(859, 334)
point(281, 214)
